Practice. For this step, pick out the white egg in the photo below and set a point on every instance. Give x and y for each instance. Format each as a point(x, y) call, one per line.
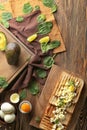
point(9, 118)
point(2, 114)
point(7, 108)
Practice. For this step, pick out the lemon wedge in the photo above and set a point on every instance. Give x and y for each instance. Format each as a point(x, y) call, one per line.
point(32, 38)
point(44, 40)
point(3, 41)
point(14, 98)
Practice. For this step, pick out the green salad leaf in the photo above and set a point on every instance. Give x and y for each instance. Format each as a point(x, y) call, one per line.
point(54, 8)
point(48, 61)
point(37, 7)
point(41, 18)
point(51, 4)
point(33, 87)
point(3, 82)
point(2, 7)
point(6, 16)
point(45, 28)
point(46, 47)
point(19, 19)
point(23, 94)
point(48, 3)
point(5, 23)
point(41, 73)
point(27, 8)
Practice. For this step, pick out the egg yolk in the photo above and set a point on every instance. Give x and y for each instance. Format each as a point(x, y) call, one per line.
point(25, 107)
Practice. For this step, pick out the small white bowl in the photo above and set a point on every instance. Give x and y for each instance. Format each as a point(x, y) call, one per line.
point(25, 101)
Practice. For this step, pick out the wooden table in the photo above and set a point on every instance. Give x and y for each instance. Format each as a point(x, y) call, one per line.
point(71, 18)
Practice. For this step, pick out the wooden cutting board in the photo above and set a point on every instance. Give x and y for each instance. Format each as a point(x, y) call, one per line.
point(11, 71)
point(44, 102)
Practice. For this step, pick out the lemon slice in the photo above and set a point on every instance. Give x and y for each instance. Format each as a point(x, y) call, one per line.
point(14, 98)
point(44, 39)
point(32, 38)
point(3, 41)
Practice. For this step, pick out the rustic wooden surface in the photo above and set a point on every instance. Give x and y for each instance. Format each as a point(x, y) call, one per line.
point(71, 18)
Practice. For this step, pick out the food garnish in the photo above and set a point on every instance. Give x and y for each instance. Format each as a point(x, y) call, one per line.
point(41, 18)
point(32, 38)
point(37, 7)
point(44, 39)
point(3, 41)
point(3, 82)
point(27, 8)
point(19, 19)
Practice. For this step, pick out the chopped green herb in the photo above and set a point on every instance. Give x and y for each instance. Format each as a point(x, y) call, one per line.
point(23, 94)
point(3, 82)
point(5, 23)
point(45, 28)
point(19, 19)
point(41, 18)
point(41, 73)
point(46, 47)
point(37, 7)
point(6, 16)
point(38, 119)
point(2, 7)
point(48, 61)
point(27, 8)
point(33, 87)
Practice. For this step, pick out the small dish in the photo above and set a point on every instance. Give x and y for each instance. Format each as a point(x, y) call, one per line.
point(14, 98)
point(25, 106)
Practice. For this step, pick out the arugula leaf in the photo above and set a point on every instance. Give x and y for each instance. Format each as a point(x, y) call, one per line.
point(33, 87)
point(37, 7)
point(45, 28)
point(6, 16)
point(46, 47)
point(3, 82)
point(23, 94)
point(19, 19)
point(41, 73)
point(41, 18)
point(48, 61)
point(2, 7)
point(5, 23)
point(27, 8)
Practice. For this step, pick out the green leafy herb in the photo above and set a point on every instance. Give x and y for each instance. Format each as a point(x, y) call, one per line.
point(23, 94)
point(2, 7)
point(33, 87)
point(38, 119)
point(41, 18)
point(37, 7)
point(27, 8)
point(48, 61)
point(6, 16)
point(48, 3)
point(46, 47)
point(51, 4)
point(5, 23)
point(45, 28)
point(19, 19)
point(3, 82)
point(56, 121)
point(54, 8)
point(41, 73)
